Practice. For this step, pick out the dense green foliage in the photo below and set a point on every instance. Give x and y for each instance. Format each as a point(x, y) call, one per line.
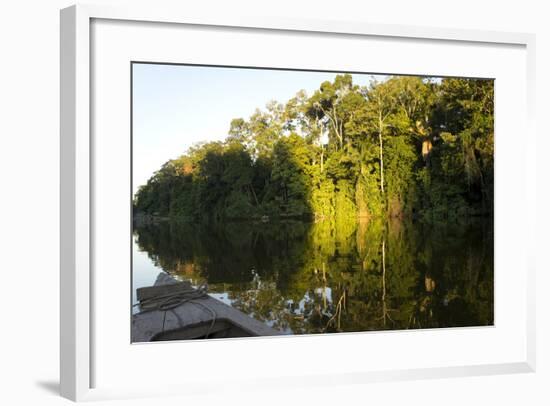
point(403, 147)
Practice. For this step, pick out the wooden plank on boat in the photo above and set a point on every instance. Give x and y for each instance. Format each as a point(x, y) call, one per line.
point(205, 317)
point(152, 292)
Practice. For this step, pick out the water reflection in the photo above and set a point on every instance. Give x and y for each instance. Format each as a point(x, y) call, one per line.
point(324, 277)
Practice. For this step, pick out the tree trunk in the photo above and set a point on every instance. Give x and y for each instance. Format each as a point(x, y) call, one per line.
point(380, 128)
point(254, 194)
point(426, 150)
point(384, 307)
point(384, 268)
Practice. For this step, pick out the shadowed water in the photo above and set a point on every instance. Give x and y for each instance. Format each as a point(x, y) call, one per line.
point(320, 277)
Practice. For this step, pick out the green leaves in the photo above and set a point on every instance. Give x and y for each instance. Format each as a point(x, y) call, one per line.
point(402, 147)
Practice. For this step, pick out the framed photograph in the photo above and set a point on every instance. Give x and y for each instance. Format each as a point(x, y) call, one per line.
point(233, 192)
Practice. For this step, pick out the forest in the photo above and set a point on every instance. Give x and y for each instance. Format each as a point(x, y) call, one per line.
point(403, 147)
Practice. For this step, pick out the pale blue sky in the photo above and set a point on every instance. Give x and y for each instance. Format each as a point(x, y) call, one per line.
point(176, 106)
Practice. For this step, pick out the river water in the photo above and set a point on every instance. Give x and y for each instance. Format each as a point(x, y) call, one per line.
point(303, 278)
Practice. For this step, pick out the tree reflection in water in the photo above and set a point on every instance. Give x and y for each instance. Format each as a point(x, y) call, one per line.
point(321, 277)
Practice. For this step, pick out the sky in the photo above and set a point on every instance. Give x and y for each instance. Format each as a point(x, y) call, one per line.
point(176, 106)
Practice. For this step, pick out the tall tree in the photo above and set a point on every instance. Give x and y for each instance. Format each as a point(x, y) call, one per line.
point(381, 106)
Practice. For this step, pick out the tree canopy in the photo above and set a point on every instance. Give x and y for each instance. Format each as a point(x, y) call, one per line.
point(402, 147)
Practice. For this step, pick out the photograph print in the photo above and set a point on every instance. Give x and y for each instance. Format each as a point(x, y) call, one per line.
point(270, 202)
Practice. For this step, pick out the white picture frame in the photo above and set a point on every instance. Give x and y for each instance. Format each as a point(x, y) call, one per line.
point(77, 220)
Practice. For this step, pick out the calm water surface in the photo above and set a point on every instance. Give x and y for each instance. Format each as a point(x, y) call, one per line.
point(324, 277)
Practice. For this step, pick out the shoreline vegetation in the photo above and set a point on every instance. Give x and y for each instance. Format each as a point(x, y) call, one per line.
point(404, 148)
